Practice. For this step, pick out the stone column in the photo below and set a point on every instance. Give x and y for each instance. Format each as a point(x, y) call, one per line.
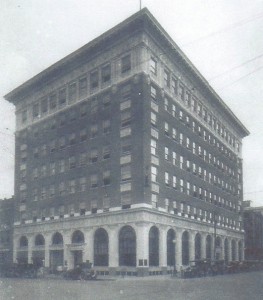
point(15, 246)
point(113, 246)
point(142, 244)
point(178, 249)
point(88, 252)
point(30, 248)
point(191, 246)
point(47, 251)
point(203, 246)
point(163, 247)
point(230, 250)
point(68, 257)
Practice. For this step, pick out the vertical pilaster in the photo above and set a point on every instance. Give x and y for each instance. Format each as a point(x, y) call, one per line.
point(203, 246)
point(88, 253)
point(30, 248)
point(47, 251)
point(163, 247)
point(113, 247)
point(192, 246)
point(68, 259)
point(178, 249)
point(142, 245)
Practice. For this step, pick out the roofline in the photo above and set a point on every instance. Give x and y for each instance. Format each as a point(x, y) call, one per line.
point(142, 13)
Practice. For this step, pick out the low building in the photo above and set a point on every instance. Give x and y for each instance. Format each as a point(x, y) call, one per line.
point(6, 230)
point(253, 226)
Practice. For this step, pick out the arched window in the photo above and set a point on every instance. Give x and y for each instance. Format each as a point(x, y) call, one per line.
point(39, 240)
point(208, 247)
point(101, 248)
point(226, 249)
point(233, 248)
point(57, 239)
point(185, 248)
point(78, 237)
point(127, 247)
point(170, 247)
point(154, 246)
point(23, 241)
point(197, 246)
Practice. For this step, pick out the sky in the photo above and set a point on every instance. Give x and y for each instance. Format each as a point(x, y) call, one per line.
point(222, 38)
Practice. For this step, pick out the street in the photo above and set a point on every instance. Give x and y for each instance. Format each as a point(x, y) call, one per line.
point(244, 286)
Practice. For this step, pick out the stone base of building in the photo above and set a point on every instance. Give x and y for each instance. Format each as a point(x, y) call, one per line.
point(134, 242)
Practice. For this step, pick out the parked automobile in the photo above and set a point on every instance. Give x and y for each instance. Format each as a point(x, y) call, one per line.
point(82, 271)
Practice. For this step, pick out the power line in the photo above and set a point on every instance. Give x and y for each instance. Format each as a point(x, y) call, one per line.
point(225, 86)
point(236, 67)
point(240, 23)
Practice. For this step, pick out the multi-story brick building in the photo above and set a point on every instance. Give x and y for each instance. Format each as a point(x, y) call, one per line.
point(125, 156)
point(6, 230)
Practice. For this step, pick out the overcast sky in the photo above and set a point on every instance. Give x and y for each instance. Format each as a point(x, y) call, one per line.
point(223, 39)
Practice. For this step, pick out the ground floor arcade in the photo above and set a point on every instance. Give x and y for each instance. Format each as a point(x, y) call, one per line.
point(139, 241)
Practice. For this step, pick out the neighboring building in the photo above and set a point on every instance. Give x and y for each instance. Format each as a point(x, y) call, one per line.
point(253, 226)
point(6, 230)
point(125, 156)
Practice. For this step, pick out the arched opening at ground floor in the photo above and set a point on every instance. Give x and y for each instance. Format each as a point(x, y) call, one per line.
point(101, 247)
point(127, 247)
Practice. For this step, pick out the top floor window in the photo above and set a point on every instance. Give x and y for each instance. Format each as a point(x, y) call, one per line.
point(166, 78)
point(52, 101)
point(36, 110)
point(174, 86)
point(94, 79)
point(44, 106)
point(126, 64)
point(153, 92)
point(72, 92)
point(106, 73)
point(62, 97)
point(153, 66)
point(83, 86)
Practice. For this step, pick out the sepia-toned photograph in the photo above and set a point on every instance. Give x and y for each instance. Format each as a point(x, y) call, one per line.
point(130, 153)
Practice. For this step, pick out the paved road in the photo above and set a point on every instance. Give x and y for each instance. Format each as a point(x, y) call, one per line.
point(246, 286)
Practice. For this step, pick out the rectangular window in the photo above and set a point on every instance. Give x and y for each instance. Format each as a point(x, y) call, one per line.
point(174, 86)
point(94, 156)
point(154, 174)
point(181, 138)
point(52, 102)
point(94, 79)
point(188, 98)
point(72, 92)
point(82, 184)
point(62, 189)
point(153, 93)
point(36, 110)
point(125, 105)
point(174, 182)
point(153, 66)
point(83, 87)
point(174, 133)
point(94, 180)
point(181, 162)
point(166, 178)
point(82, 158)
point(166, 104)
point(62, 97)
point(166, 153)
point(153, 147)
point(72, 186)
point(52, 168)
point(93, 130)
point(125, 173)
point(52, 191)
point(153, 118)
point(174, 158)
point(44, 107)
point(106, 177)
point(181, 92)
point(154, 200)
point(173, 110)
point(106, 152)
point(61, 166)
point(106, 73)
point(126, 118)
point(126, 64)
point(166, 128)
point(167, 78)
point(181, 185)
point(72, 139)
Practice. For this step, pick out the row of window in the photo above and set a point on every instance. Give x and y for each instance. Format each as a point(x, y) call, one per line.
point(75, 90)
point(178, 89)
point(209, 177)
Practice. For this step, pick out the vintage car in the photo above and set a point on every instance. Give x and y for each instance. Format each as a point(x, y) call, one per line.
point(83, 271)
